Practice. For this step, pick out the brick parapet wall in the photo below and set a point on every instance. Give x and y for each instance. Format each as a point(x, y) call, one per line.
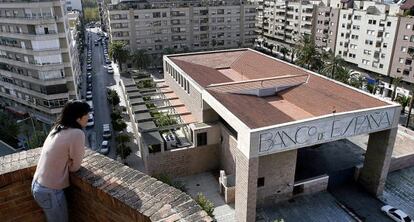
point(102, 190)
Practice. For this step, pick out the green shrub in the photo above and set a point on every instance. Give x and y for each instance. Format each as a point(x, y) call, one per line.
point(168, 180)
point(205, 204)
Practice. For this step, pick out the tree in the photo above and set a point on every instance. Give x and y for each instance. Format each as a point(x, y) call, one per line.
point(9, 130)
point(284, 51)
point(36, 140)
point(307, 55)
point(343, 75)
point(118, 125)
point(119, 52)
point(356, 81)
point(331, 64)
point(122, 149)
point(403, 101)
point(91, 14)
point(113, 97)
point(396, 82)
point(140, 59)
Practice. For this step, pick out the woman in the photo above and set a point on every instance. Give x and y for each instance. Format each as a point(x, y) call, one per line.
point(62, 153)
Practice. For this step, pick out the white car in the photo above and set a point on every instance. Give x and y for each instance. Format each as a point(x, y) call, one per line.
point(91, 121)
point(89, 95)
point(105, 147)
point(106, 132)
point(396, 214)
point(110, 70)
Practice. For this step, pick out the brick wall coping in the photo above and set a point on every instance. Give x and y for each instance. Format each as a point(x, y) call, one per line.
point(146, 195)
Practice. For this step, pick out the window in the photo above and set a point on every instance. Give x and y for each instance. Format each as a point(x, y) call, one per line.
point(403, 49)
point(387, 34)
point(405, 37)
point(260, 182)
point(408, 26)
point(388, 23)
point(412, 38)
point(401, 60)
point(398, 70)
point(406, 72)
point(384, 45)
point(202, 139)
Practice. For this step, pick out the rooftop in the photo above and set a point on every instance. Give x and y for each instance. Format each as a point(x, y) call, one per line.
point(297, 93)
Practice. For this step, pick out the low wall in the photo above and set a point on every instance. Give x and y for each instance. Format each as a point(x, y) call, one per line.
point(184, 162)
point(311, 185)
point(102, 190)
point(401, 162)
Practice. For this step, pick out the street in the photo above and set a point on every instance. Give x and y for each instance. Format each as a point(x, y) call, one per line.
point(100, 81)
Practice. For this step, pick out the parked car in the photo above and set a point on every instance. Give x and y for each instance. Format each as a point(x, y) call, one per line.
point(89, 67)
point(91, 121)
point(106, 133)
point(107, 61)
point(90, 103)
point(110, 70)
point(96, 43)
point(89, 95)
point(395, 214)
point(105, 147)
point(89, 87)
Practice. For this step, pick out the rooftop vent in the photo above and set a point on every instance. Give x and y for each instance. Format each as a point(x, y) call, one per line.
point(261, 87)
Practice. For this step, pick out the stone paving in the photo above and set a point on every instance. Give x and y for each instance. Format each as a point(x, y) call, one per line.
point(207, 184)
point(309, 208)
point(399, 190)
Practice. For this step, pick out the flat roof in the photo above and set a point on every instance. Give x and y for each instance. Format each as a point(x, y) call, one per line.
point(233, 68)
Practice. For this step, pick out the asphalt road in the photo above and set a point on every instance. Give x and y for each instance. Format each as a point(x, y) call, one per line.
point(100, 81)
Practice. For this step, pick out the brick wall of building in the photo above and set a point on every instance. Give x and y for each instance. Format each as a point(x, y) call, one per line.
point(102, 190)
point(246, 185)
point(278, 171)
point(184, 162)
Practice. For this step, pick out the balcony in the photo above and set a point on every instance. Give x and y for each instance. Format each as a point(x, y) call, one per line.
point(52, 35)
point(33, 80)
point(36, 93)
point(29, 51)
point(113, 191)
point(33, 65)
point(31, 20)
point(32, 105)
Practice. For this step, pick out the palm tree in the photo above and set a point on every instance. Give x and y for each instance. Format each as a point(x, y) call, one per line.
point(284, 51)
point(356, 81)
point(140, 59)
point(307, 54)
point(119, 52)
point(403, 101)
point(343, 74)
point(396, 82)
point(331, 64)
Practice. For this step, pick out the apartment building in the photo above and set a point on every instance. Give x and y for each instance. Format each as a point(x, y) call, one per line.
point(183, 25)
point(402, 64)
point(74, 5)
point(284, 22)
point(326, 26)
point(38, 57)
point(366, 35)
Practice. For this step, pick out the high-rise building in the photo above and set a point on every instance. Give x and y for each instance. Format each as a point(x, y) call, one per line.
point(37, 57)
point(366, 34)
point(284, 22)
point(326, 26)
point(183, 25)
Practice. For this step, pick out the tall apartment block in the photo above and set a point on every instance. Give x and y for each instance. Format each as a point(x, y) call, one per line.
point(284, 22)
point(366, 34)
point(402, 63)
point(37, 57)
point(326, 26)
point(183, 25)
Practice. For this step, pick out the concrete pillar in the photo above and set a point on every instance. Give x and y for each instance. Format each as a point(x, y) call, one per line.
point(377, 160)
point(246, 187)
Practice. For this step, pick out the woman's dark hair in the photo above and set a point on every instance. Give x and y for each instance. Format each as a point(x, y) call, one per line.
point(73, 110)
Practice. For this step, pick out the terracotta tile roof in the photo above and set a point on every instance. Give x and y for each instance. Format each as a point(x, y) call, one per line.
point(203, 75)
point(216, 60)
point(319, 96)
